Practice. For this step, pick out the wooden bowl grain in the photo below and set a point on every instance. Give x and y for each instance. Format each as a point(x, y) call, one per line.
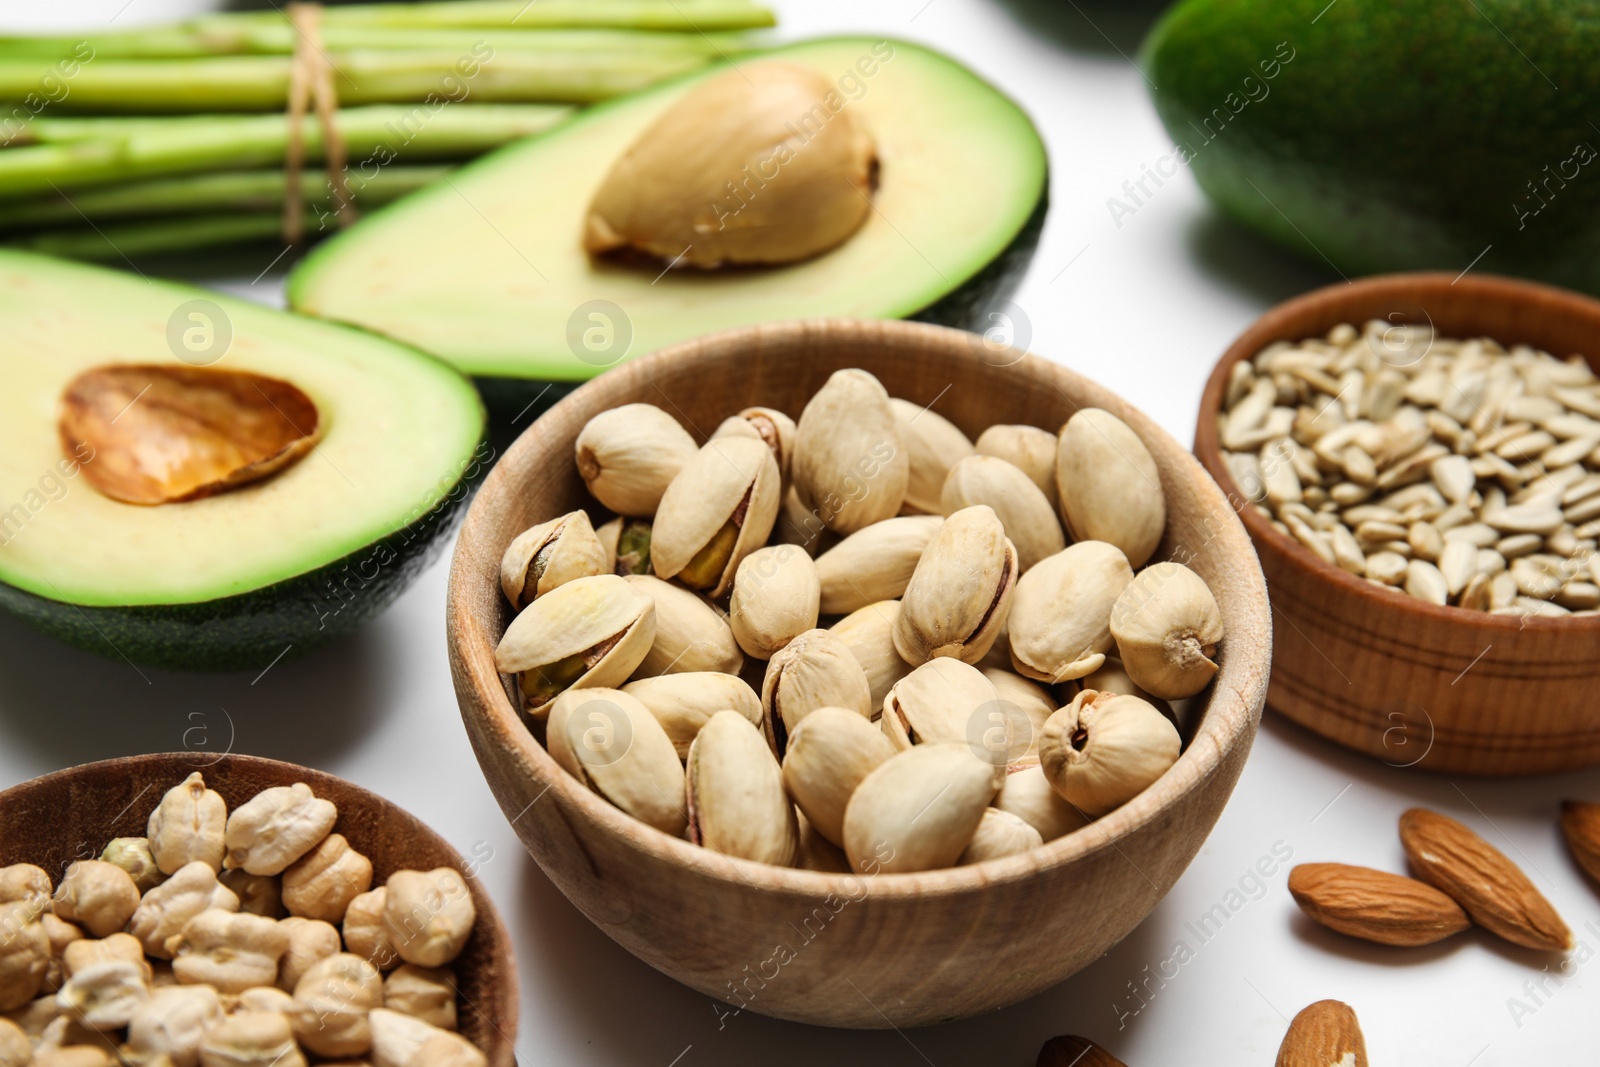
point(1409, 682)
point(840, 950)
point(70, 815)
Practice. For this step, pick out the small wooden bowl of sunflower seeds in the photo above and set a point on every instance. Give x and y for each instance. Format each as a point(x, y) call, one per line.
point(1417, 458)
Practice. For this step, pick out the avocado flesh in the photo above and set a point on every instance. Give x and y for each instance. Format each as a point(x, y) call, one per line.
point(227, 581)
point(1403, 134)
point(487, 270)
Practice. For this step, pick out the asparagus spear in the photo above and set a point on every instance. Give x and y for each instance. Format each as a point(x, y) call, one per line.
point(693, 15)
point(238, 191)
point(261, 83)
point(125, 241)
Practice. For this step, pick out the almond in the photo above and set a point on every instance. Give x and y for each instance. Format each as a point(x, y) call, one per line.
point(1375, 905)
point(1492, 889)
point(1580, 822)
point(1326, 1034)
point(1073, 1051)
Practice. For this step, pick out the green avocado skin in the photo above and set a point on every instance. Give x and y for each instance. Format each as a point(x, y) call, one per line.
point(1400, 134)
point(252, 630)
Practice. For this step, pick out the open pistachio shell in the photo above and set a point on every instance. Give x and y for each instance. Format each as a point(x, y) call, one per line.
point(737, 804)
point(610, 742)
point(1104, 749)
point(690, 634)
point(683, 703)
point(551, 554)
point(627, 456)
point(1027, 447)
point(1060, 621)
point(933, 445)
point(1167, 626)
point(1109, 484)
point(869, 634)
point(590, 632)
point(719, 509)
point(850, 466)
point(942, 700)
point(829, 754)
point(1000, 833)
point(874, 563)
point(767, 424)
point(1022, 507)
point(919, 810)
point(815, 670)
point(960, 592)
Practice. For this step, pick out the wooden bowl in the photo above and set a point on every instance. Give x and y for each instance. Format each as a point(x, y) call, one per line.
point(70, 815)
point(840, 950)
point(1409, 682)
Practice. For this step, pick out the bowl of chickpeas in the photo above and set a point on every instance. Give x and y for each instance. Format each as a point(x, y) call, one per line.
point(185, 908)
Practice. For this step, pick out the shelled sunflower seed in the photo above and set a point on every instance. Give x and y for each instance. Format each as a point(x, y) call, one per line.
point(1457, 471)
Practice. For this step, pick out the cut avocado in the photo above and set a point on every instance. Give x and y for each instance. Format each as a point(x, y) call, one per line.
point(236, 579)
point(487, 269)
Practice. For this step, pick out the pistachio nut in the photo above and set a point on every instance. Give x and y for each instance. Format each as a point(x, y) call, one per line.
point(736, 801)
point(1028, 448)
point(800, 525)
point(1104, 749)
point(869, 634)
point(683, 703)
point(999, 834)
point(942, 700)
point(918, 810)
point(850, 465)
point(766, 424)
point(631, 552)
point(776, 598)
point(1034, 702)
point(666, 196)
point(627, 456)
point(719, 509)
point(691, 634)
point(960, 592)
point(551, 554)
point(590, 632)
point(1167, 626)
point(829, 754)
point(1022, 507)
point(933, 445)
point(1109, 484)
point(817, 853)
point(874, 563)
point(1028, 794)
point(1060, 621)
point(610, 742)
point(815, 670)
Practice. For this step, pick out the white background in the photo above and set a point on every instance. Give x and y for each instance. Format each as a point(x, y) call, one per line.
point(1145, 308)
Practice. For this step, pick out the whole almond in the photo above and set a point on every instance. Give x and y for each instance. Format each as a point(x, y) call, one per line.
point(1492, 889)
point(1580, 822)
point(1325, 1034)
point(1071, 1050)
point(1375, 905)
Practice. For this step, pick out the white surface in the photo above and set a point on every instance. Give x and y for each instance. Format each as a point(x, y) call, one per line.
point(1144, 308)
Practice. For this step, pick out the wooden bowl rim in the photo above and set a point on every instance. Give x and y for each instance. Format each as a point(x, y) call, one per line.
point(489, 924)
point(1269, 328)
point(1231, 714)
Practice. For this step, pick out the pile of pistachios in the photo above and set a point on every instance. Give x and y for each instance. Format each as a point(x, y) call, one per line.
point(859, 642)
point(1460, 472)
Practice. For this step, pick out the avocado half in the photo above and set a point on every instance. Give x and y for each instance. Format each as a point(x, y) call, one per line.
point(236, 580)
point(486, 269)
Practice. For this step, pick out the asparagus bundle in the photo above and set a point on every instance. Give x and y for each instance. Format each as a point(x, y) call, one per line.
point(175, 137)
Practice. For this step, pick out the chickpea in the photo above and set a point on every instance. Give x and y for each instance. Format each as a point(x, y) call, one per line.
point(104, 996)
point(173, 1022)
point(251, 1039)
point(426, 993)
point(448, 1050)
point(322, 883)
point(165, 910)
point(74, 1056)
point(228, 950)
point(259, 894)
point(261, 998)
point(133, 855)
point(60, 934)
point(310, 940)
point(24, 954)
point(364, 931)
point(401, 1041)
point(188, 826)
point(25, 883)
point(16, 1050)
point(98, 896)
point(276, 827)
point(36, 1015)
point(118, 948)
point(331, 1005)
point(428, 915)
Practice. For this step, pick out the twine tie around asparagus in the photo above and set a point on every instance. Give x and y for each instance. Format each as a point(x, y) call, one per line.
point(311, 84)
